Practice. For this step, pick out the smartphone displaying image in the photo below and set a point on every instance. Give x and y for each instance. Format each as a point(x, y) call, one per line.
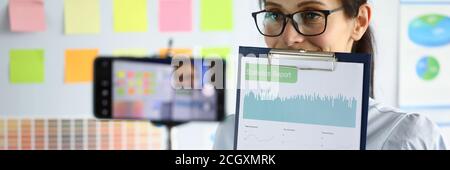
point(158, 90)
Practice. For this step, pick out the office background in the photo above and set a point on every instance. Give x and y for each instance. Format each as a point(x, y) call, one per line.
point(52, 109)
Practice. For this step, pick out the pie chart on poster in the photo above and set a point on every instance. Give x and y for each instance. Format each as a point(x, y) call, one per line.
point(428, 68)
point(431, 30)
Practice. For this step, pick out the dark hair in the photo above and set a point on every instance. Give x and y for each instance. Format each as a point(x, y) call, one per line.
point(366, 44)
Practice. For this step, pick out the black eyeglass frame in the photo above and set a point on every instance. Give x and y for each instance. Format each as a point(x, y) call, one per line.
point(291, 16)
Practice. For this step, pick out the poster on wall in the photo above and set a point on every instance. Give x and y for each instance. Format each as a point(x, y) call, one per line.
point(424, 65)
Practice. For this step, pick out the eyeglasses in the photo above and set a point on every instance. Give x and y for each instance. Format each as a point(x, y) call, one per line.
point(306, 23)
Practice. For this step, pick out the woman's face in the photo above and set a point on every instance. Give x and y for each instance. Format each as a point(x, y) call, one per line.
point(338, 34)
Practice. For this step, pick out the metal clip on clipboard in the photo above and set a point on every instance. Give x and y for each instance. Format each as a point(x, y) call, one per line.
point(304, 55)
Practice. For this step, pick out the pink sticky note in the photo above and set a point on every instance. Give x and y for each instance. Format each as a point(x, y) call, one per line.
point(175, 15)
point(27, 15)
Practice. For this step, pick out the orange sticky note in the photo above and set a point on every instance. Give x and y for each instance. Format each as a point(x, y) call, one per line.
point(163, 53)
point(27, 15)
point(79, 65)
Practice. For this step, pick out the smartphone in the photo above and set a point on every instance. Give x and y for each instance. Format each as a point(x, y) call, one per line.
point(159, 90)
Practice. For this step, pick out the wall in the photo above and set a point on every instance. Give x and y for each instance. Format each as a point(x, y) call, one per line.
point(57, 100)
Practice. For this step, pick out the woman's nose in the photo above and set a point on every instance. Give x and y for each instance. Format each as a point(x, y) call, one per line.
point(291, 37)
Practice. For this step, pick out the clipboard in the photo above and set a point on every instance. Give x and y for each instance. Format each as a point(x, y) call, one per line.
point(257, 128)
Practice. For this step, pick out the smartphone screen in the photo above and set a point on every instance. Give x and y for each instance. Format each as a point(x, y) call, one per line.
point(156, 90)
point(141, 90)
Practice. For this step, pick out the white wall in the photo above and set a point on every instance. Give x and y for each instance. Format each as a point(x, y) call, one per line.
point(386, 26)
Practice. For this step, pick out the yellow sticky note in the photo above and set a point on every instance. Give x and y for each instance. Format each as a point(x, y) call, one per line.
point(79, 65)
point(216, 15)
point(26, 66)
point(130, 15)
point(82, 16)
point(131, 52)
point(176, 52)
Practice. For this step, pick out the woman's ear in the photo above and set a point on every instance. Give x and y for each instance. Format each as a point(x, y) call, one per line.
point(362, 22)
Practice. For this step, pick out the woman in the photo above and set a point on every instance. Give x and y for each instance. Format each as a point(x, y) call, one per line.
point(338, 26)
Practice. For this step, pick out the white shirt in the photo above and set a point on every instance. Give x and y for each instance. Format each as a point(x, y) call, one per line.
point(388, 129)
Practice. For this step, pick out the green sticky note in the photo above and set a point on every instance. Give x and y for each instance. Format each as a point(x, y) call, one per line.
point(82, 16)
point(216, 15)
point(222, 53)
point(26, 66)
point(131, 52)
point(218, 52)
point(130, 15)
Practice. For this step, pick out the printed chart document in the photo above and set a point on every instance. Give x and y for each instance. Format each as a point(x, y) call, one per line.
point(283, 107)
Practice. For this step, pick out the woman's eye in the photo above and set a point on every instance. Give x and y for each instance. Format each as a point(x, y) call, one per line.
point(273, 16)
point(311, 16)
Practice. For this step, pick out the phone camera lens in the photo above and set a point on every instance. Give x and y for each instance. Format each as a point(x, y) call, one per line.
point(104, 112)
point(105, 92)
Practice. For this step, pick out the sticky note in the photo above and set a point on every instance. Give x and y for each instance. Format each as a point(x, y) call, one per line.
point(82, 16)
point(216, 15)
point(163, 53)
point(131, 52)
point(222, 53)
point(79, 65)
point(27, 15)
point(216, 52)
point(175, 15)
point(130, 15)
point(26, 66)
